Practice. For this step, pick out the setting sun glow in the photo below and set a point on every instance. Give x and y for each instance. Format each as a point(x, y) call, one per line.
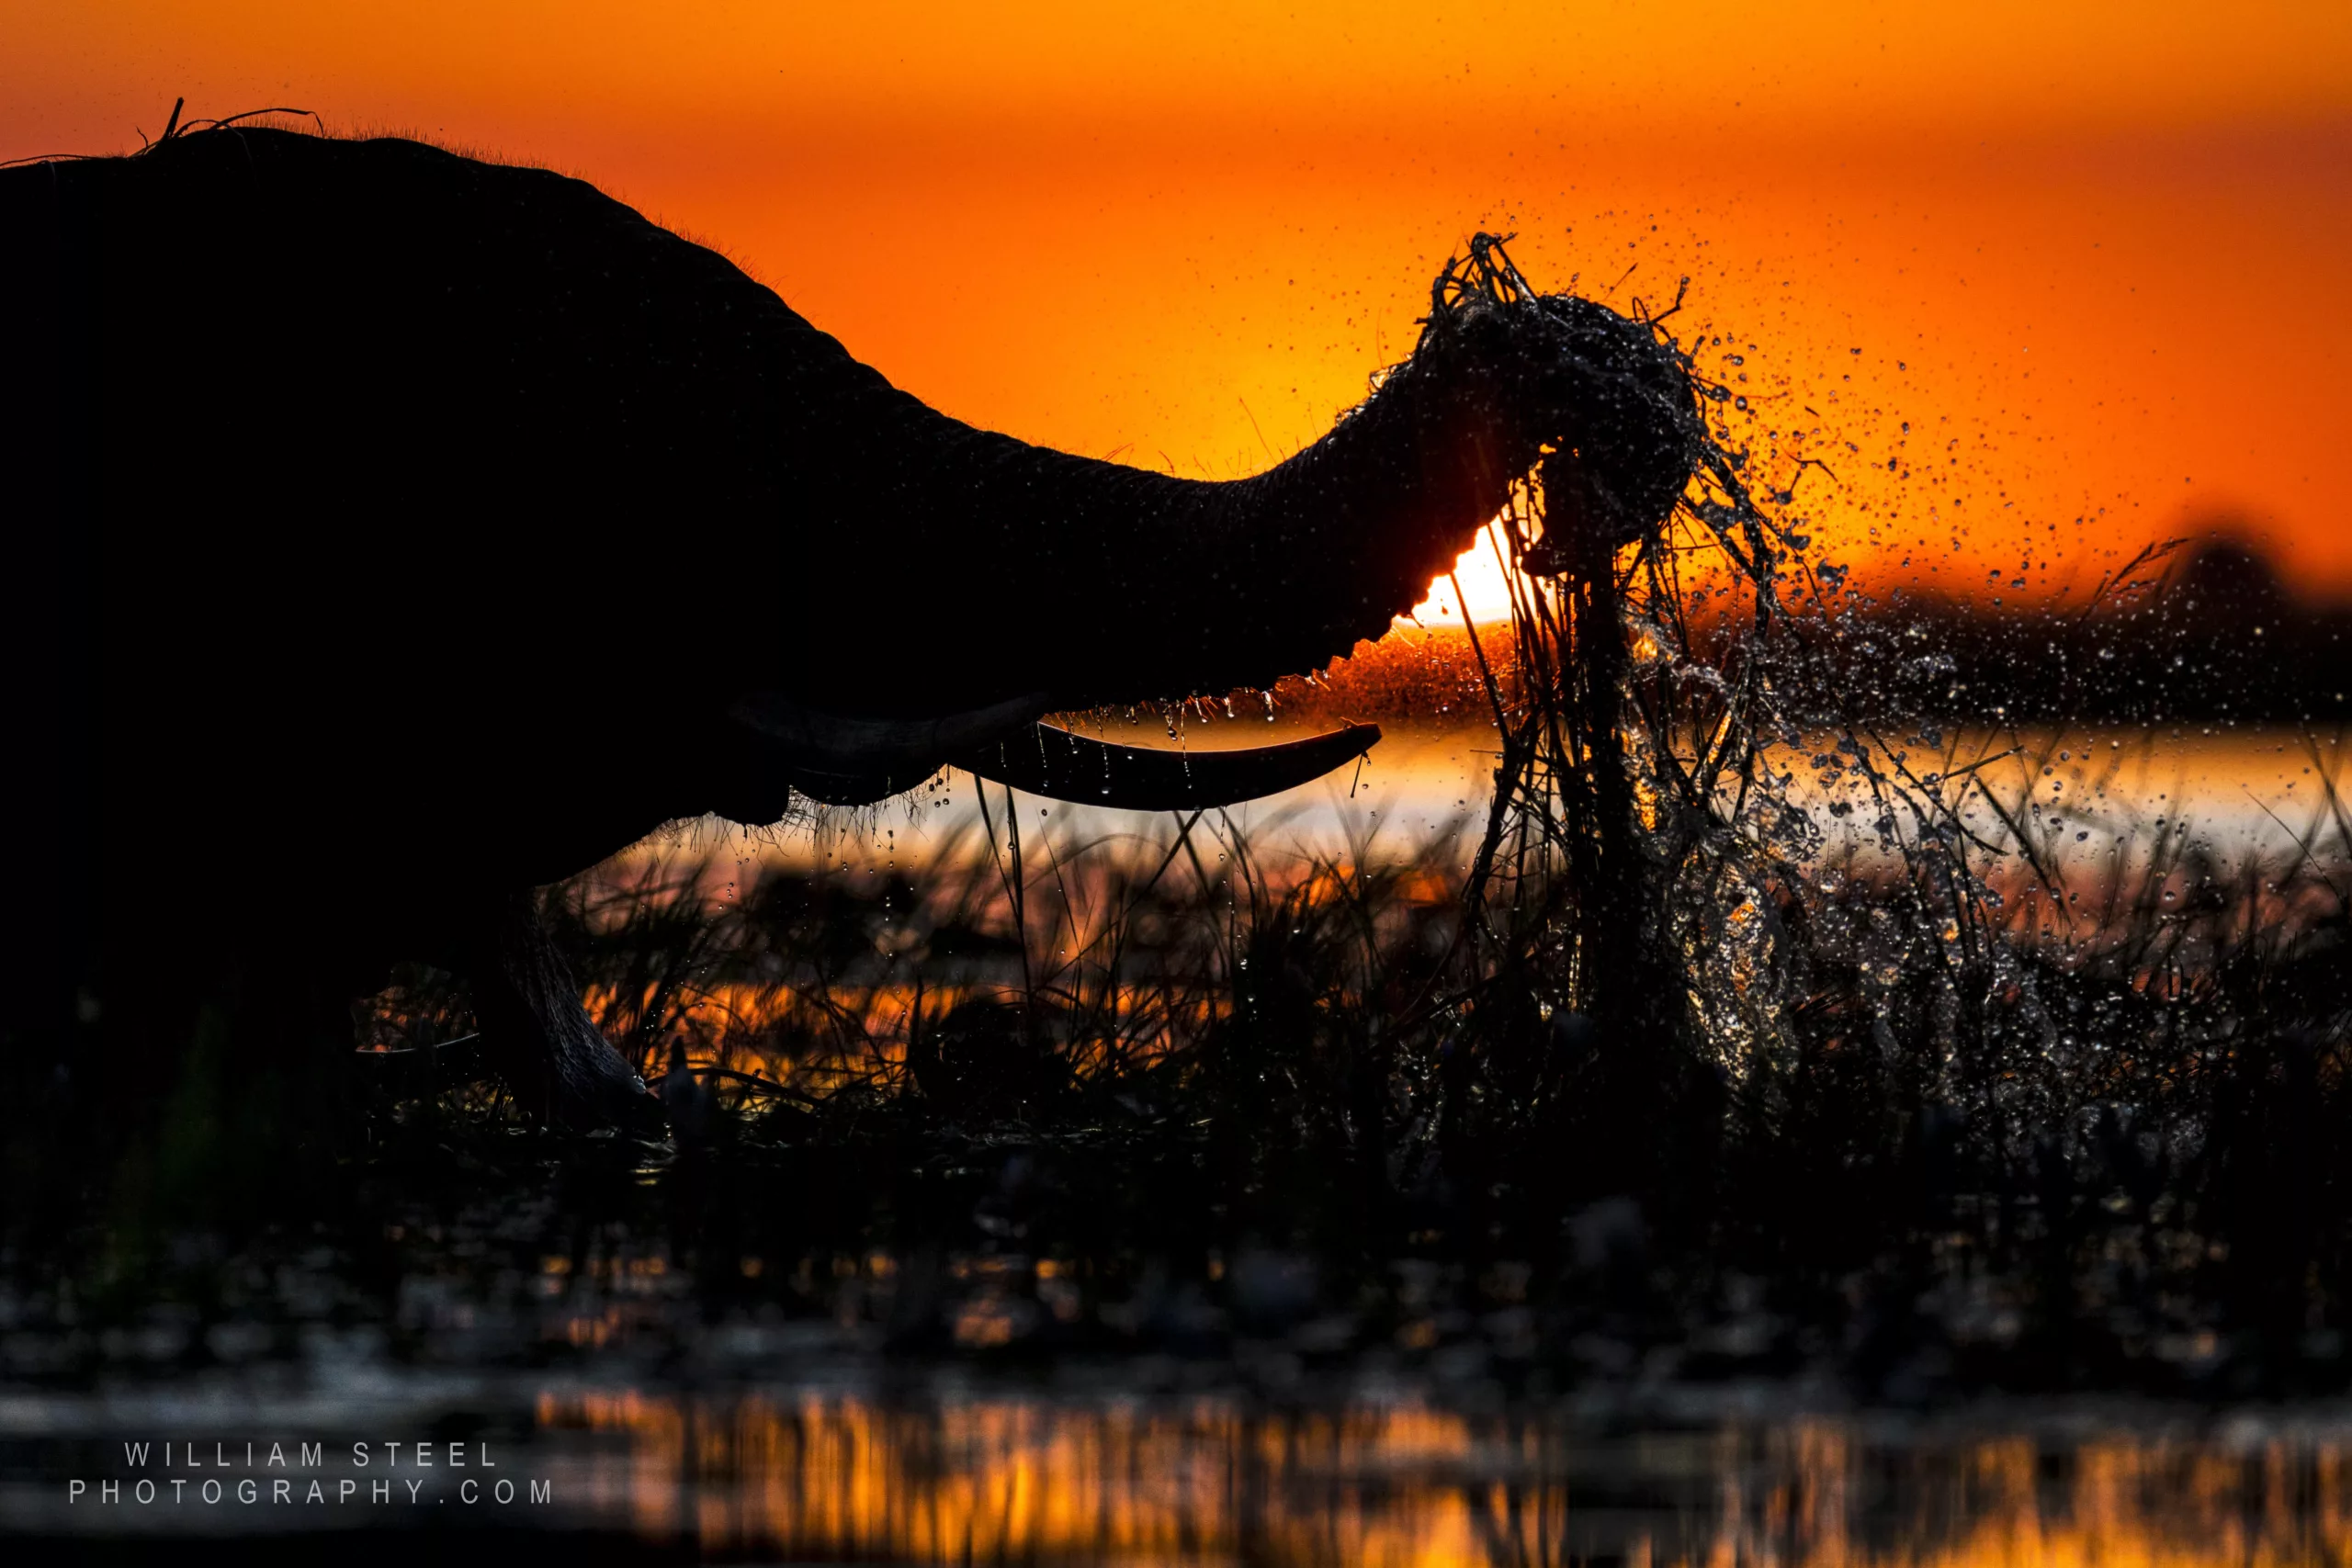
point(1998, 289)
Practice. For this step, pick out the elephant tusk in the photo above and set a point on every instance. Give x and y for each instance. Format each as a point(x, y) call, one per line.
point(1065, 766)
point(856, 762)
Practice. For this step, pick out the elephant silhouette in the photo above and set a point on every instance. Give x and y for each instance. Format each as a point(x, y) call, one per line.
point(391, 532)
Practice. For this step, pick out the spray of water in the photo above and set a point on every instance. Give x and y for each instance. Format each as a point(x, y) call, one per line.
point(1635, 841)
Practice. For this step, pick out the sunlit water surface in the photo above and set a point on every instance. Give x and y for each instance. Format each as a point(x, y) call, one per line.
point(2092, 791)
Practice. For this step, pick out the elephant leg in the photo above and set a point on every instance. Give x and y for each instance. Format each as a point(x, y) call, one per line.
point(539, 1036)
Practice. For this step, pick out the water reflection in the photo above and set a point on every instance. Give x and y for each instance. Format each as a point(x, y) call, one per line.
point(1214, 1481)
point(1121, 1464)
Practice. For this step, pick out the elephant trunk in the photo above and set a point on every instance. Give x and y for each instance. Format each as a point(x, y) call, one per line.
point(1107, 583)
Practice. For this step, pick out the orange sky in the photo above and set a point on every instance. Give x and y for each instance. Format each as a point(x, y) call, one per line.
point(2091, 254)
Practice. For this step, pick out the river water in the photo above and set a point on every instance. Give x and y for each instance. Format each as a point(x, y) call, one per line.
point(1136, 1468)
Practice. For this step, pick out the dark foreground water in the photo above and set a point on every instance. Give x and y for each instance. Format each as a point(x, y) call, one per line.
point(1131, 1466)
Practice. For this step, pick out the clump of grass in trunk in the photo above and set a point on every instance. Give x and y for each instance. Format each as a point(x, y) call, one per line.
point(1630, 848)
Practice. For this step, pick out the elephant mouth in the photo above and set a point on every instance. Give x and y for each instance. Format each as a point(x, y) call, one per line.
point(857, 762)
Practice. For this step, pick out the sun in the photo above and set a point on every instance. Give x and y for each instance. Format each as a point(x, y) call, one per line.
point(1480, 570)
